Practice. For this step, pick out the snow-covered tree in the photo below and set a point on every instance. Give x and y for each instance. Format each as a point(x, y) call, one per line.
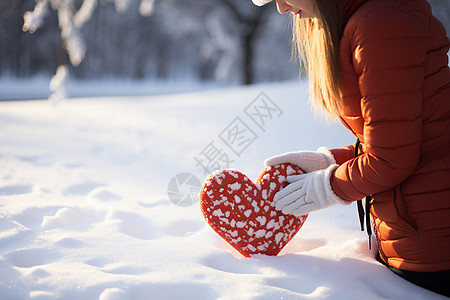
point(70, 21)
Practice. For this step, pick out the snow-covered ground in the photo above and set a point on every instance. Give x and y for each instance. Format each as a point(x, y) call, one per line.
point(85, 211)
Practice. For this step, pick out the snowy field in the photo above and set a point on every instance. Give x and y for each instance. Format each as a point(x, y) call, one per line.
point(85, 211)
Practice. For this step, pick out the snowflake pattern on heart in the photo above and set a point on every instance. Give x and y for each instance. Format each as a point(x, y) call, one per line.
point(242, 213)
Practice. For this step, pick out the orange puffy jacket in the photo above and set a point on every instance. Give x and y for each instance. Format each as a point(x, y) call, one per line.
point(397, 102)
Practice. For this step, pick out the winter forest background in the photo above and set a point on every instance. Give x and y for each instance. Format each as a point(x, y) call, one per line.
point(226, 41)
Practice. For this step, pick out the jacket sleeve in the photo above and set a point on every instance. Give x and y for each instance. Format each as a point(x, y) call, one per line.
point(344, 154)
point(389, 50)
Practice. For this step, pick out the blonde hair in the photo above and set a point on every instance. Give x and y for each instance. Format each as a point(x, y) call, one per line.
point(316, 44)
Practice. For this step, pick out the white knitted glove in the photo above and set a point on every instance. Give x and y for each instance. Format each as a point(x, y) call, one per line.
point(307, 192)
point(308, 161)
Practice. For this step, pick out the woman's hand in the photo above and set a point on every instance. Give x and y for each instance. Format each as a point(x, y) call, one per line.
point(308, 161)
point(307, 192)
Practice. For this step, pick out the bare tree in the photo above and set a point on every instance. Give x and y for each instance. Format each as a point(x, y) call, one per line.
point(250, 21)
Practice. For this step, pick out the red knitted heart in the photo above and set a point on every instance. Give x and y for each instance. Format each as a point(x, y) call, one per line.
point(242, 213)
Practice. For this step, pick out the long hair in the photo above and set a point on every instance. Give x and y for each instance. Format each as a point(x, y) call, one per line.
point(316, 44)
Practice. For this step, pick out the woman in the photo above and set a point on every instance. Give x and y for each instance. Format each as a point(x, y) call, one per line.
point(381, 67)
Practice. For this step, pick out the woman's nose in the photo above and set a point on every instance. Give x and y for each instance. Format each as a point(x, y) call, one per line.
point(283, 7)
